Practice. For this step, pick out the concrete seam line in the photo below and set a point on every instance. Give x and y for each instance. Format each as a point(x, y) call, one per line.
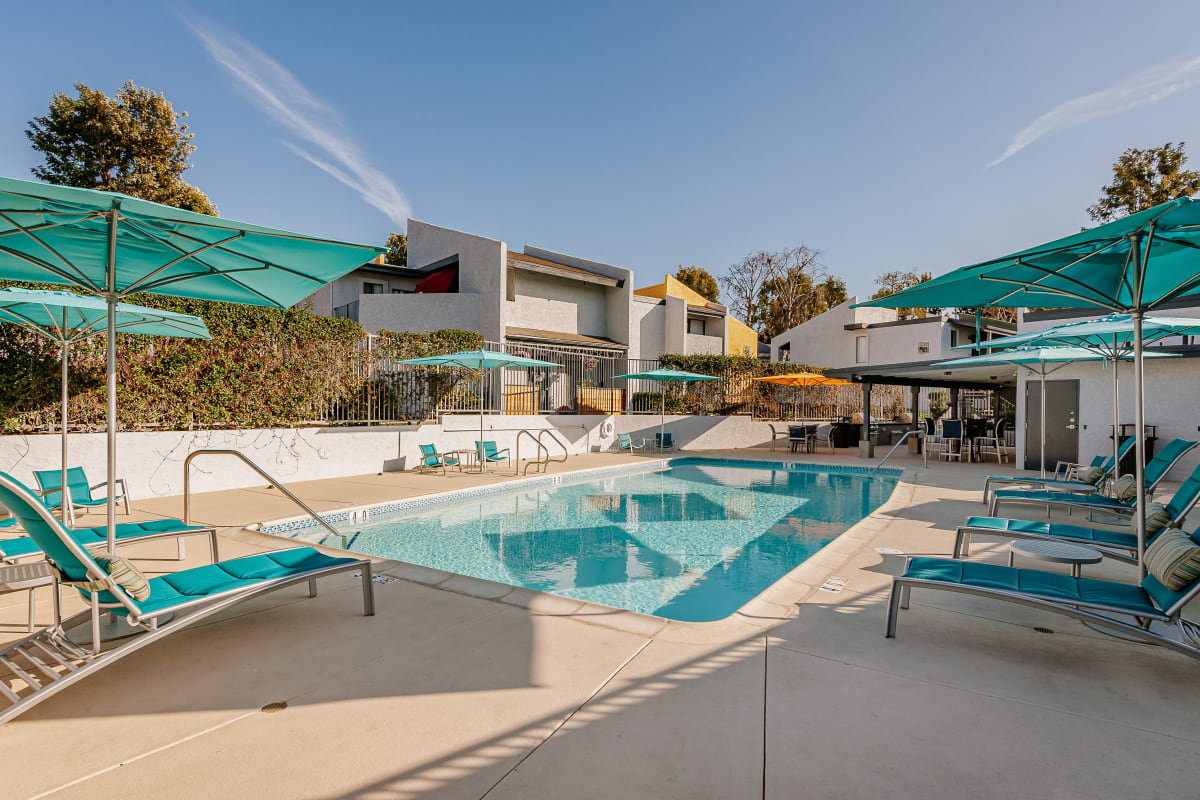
point(611, 677)
point(766, 654)
point(146, 754)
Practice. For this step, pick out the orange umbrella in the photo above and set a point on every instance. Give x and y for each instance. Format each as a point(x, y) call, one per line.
point(804, 379)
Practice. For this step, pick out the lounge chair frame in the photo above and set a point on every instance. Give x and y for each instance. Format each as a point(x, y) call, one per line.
point(1063, 479)
point(211, 533)
point(1092, 613)
point(50, 650)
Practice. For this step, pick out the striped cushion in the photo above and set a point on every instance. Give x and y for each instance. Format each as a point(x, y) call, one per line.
point(125, 575)
point(1157, 518)
point(1174, 559)
point(1125, 489)
point(1090, 475)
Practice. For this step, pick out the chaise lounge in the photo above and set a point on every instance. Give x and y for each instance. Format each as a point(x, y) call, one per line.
point(1154, 473)
point(1087, 485)
point(48, 661)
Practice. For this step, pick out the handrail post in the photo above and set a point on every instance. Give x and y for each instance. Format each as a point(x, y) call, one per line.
point(896, 445)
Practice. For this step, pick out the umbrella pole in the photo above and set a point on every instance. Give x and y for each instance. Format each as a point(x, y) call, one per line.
point(1116, 414)
point(1139, 445)
point(662, 416)
point(63, 477)
point(480, 451)
point(1043, 425)
point(112, 424)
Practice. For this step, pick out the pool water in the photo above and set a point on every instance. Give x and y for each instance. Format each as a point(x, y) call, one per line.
point(695, 541)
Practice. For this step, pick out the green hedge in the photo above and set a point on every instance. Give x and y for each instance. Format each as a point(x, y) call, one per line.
point(724, 366)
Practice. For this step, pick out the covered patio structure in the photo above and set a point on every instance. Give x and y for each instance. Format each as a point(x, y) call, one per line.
point(918, 375)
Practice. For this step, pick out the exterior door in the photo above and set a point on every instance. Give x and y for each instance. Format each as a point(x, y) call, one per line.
point(1062, 423)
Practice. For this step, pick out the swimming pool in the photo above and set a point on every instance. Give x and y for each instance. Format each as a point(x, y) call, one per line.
point(694, 541)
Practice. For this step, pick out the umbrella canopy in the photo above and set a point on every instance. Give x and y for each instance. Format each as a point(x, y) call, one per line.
point(66, 318)
point(665, 376)
point(1134, 264)
point(114, 245)
point(803, 379)
point(1110, 336)
point(477, 361)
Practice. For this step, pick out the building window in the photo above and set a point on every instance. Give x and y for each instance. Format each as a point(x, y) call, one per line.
point(695, 326)
point(860, 349)
point(954, 338)
point(370, 287)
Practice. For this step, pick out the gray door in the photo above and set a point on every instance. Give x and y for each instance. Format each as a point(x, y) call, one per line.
point(1062, 427)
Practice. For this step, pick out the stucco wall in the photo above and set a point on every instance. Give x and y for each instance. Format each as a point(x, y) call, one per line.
point(551, 303)
point(698, 344)
point(419, 312)
point(481, 269)
point(152, 462)
point(647, 319)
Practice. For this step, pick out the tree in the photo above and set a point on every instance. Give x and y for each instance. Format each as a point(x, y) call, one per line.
point(133, 143)
point(1144, 178)
point(698, 280)
point(397, 250)
point(798, 290)
point(898, 280)
point(743, 284)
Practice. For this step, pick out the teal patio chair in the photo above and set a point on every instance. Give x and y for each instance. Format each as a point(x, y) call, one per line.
point(625, 442)
point(48, 661)
point(1068, 482)
point(488, 454)
point(1155, 471)
point(432, 459)
point(79, 491)
point(1127, 609)
point(1115, 541)
point(664, 442)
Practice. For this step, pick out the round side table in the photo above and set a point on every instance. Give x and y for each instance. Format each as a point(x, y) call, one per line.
point(1055, 552)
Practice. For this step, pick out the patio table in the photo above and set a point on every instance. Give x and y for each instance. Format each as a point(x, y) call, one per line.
point(1055, 552)
point(18, 577)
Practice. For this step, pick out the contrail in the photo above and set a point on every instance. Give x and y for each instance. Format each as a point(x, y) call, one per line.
point(276, 91)
point(1150, 86)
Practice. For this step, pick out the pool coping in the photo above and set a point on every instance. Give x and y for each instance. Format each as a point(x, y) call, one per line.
point(776, 603)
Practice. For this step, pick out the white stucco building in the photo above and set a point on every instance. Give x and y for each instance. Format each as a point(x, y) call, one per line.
point(848, 337)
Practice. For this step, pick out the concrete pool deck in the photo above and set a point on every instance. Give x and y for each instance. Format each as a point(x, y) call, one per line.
point(446, 694)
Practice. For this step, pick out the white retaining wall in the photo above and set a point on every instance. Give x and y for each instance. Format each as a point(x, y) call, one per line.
point(152, 462)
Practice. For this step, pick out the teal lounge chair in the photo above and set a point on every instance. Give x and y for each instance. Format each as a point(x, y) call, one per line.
point(48, 661)
point(22, 547)
point(625, 442)
point(1067, 483)
point(79, 491)
point(432, 459)
point(1156, 470)
point(1115, 541)
point(488, 454)
point(664, 442)
point(1129, 609)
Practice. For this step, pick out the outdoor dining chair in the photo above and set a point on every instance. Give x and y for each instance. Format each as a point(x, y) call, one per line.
point(79, 490)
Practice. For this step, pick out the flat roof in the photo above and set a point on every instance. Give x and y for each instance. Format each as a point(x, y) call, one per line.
point(535, 264)
point(923, 373)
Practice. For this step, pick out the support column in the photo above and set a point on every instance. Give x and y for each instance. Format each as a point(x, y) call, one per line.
point(866, 449)
point(955, 410)
point(914, 442)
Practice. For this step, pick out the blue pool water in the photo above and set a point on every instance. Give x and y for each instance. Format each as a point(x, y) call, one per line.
point(695, 541)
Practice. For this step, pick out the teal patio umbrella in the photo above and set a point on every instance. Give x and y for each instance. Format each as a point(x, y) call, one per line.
point(1110, 336)
point(477, 361)
point(113, 245)
point(1040, 361)
point(67, 318)
point(1133, 265)
point(665, 376)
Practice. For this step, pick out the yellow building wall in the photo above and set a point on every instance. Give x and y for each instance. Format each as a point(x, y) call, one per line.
point(741, 335)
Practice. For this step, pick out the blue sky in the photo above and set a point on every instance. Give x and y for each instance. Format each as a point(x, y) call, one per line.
point(643, 134)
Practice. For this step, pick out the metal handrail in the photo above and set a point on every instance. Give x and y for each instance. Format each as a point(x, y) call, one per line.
point(537, 441)
point(896, 445)
point(187, 491)
point(566, 453)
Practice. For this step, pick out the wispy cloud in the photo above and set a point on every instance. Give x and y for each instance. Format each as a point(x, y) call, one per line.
point(1150, 86)
point(275, 90)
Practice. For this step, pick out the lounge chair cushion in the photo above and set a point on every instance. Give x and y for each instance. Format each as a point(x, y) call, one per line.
point(124, 574)
point(1174, 560)
point(201, 582)
point(91, 537)
point(1001, 526)
point(1044, 496)
point(1052, 586)
point(1091, 475)
point(1125, 489)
